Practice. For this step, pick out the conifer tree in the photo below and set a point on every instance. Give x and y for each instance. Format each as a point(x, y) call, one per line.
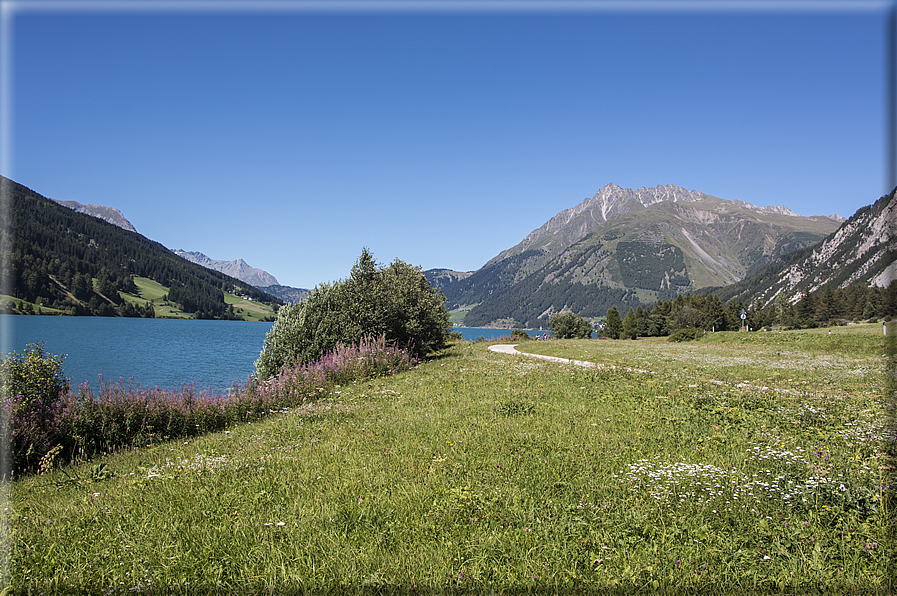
point(630, 325)
point(613, 326)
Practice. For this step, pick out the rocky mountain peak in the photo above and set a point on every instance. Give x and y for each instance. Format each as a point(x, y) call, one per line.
point(626, 246)
point(238, 268)
point(107, 214)
point(778, 209)
point(573, 224)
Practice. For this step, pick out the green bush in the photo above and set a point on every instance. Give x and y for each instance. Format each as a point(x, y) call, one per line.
point(33, 391)
point(686, 334)
point(302, 332)
point(520, 335)
point(395, 302)
point(568, 325)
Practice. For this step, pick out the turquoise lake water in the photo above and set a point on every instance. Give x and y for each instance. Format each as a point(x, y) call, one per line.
point(155, 352)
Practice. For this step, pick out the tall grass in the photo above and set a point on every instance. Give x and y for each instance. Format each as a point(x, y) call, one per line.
point(481, 473)
point(83, 424)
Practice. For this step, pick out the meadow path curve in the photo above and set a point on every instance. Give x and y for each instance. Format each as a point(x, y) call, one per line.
point(512, 349)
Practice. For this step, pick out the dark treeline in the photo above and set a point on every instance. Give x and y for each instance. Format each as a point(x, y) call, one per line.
point(827, 306)
point(55, 257)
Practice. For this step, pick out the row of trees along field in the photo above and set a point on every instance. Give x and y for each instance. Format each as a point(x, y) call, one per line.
point(76, 263)
point(827, 306)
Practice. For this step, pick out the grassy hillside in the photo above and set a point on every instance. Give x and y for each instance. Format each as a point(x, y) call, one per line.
point(250, 309)
point(154, 292)
point(77, 263)
point(743, 464)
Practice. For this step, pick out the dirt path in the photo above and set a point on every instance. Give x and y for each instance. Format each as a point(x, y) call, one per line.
point(512, 350)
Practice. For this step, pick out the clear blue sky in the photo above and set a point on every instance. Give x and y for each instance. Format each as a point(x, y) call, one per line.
point(440, 134)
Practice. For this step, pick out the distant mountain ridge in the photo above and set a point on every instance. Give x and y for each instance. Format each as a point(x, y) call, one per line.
point(573, 224)
point(238, 268)
point(78, 264)
point(288, 294)
point(862, 250)
point(108, 214)
point(624, 247)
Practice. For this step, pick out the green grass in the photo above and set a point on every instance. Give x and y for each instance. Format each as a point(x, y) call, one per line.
point(248, 309)
point(152, 291)
point(850, 359)
point(11, 303)
point(456, 317)
point(489, 473)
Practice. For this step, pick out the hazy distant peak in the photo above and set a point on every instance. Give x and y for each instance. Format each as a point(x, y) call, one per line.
point(237, 268)
point(107, 214)
point(779, 209)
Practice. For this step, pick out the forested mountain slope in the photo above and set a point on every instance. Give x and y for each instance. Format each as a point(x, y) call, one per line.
point(78, 264)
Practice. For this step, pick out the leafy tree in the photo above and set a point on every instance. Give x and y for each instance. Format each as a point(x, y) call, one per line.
point(568, 325)
point(613, 326)
point(302, 331)
point(415, 314)
point(396, 302)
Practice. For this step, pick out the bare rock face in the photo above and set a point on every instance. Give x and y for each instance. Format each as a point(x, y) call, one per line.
point(108, 214)
point(570, 225)
point(861, 250)
point(238, 268)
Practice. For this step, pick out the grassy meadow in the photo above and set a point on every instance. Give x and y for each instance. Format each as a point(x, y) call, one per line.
point(154, 292)
point(741, 463)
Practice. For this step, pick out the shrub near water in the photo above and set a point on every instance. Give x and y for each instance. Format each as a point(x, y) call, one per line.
point(396, 302)
point(77, 425)
point(34, 406)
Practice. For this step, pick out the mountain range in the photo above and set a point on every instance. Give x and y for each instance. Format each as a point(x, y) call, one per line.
point(620, 247)
point(240, 269)
point(237, 268)
point(71, 262)
point(624, 247)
